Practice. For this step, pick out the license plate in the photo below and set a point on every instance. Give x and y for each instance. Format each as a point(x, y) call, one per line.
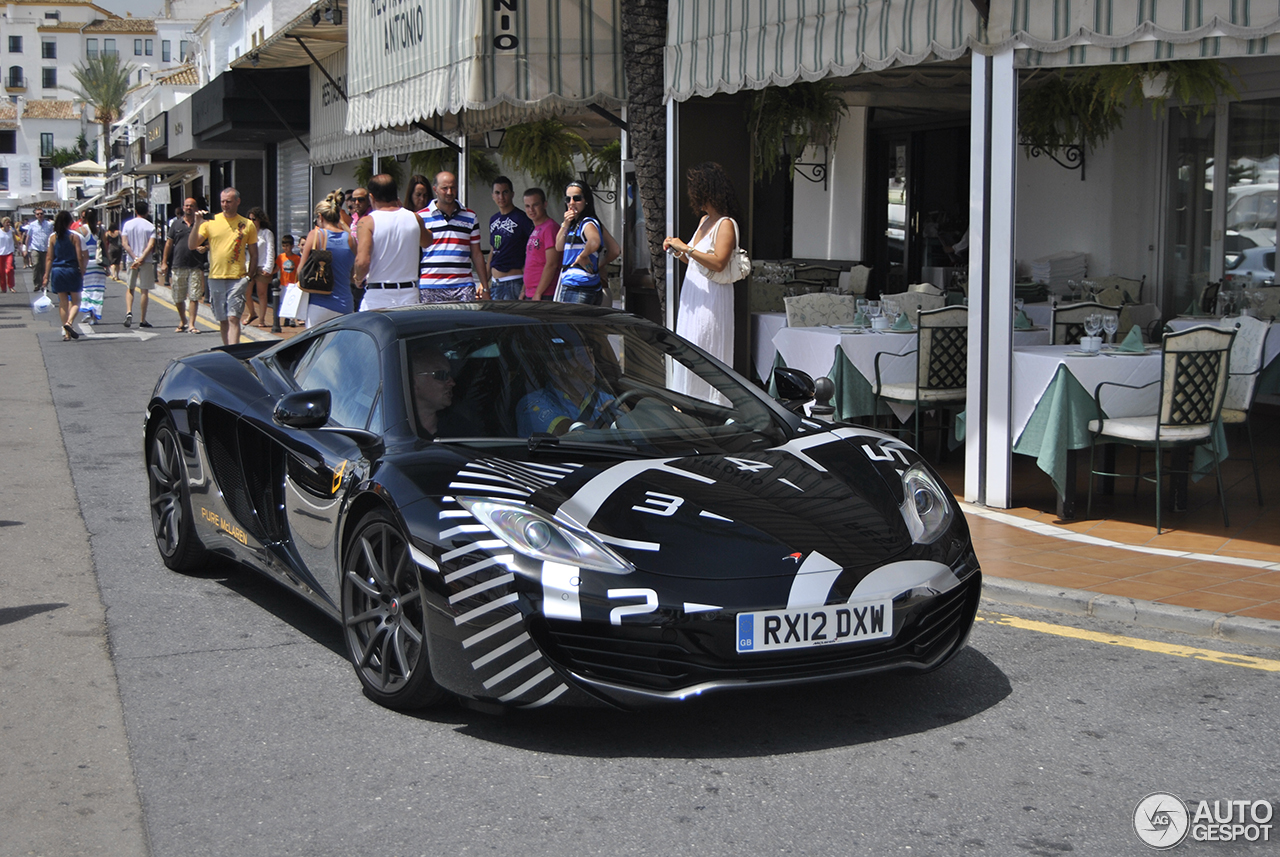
point(776, 630)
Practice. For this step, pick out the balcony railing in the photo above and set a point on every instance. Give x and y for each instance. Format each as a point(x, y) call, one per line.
point(15, 84)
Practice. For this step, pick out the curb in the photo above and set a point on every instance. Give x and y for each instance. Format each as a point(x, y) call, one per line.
point(256, 334)
point(1145, 614)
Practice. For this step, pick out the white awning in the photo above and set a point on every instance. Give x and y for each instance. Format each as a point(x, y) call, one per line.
point(728, 45)
point(330, 143)
point(1132, 31)
point(479, 65)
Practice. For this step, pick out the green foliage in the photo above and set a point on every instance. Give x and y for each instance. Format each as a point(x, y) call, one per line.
point(606, 165)
point(65, 157)
point(104, 83)
point(1086, 107)
point(432, 162)
point(364, 171)
point(807, 112)
point(545, 151)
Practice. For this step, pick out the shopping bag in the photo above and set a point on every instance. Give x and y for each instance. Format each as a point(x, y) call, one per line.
point(294, 303)
point(42, 304)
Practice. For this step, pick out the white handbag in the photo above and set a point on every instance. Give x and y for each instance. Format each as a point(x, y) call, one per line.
point(739, 266)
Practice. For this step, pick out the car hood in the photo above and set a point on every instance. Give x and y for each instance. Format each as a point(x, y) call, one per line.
point(835, 495)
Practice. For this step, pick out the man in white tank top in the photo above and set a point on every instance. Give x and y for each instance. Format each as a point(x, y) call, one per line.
point(389, 243)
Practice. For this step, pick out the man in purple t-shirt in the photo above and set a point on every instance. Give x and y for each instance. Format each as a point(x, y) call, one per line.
point(509, 231)
point(541, 262)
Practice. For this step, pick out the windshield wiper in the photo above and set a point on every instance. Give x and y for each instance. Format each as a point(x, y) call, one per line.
point(541, 441)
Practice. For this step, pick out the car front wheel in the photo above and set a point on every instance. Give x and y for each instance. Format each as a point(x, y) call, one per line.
point(384, 616)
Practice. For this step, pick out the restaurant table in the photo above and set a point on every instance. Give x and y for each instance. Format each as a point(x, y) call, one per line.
point(847, 356)
point(1053, 402)
point(1269, 377)
point(764, 326)
point(1041, 313)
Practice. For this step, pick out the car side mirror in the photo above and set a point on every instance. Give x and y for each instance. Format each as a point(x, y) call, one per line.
point(795, 388)
point(303, 409)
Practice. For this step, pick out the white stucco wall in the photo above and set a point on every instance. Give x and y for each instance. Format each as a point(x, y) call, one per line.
point(828, 223)
point(1112, 215)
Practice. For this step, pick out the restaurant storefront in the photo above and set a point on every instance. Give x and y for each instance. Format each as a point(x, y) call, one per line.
point(933, 97)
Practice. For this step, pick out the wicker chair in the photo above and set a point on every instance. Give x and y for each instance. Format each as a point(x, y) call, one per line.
point(1068, 320)
point(1193, 384)
point(942, 363)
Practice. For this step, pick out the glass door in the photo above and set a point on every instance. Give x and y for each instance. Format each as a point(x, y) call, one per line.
point(1253, 164)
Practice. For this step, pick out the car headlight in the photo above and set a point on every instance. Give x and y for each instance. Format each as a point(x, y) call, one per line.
point(925, 506)
point(537, 536)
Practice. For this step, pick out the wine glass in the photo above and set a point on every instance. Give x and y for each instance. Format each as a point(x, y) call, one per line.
point(1110, 323)
point(860, 307)
point(1093, 324)
point(891, 311)
point(873, 311)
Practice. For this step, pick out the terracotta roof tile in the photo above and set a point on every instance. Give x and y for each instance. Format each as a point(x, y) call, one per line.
point(183, 75)
point(50, 109)
point(105, 25)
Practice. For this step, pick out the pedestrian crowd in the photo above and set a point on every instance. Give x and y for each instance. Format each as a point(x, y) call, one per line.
point(373, 248)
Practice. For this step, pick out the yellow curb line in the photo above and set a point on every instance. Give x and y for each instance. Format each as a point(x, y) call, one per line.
point(1008, 621)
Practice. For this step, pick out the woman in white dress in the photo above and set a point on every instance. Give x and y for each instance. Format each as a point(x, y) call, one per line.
point(705, 314)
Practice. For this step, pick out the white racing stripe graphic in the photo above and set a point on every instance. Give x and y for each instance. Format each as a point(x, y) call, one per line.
point(497, 628)
point(472, 615)
point(499, 678)
point(693, 607)
point(486, 544)
point(560, 586)
point(501, 559)
point(528, 685)
point(501, 650)
point(813, 582)
point(550, 697)
point(705, 514)
point(483, 586)
point(588, 499)
point(464, 529)
point(799, 445)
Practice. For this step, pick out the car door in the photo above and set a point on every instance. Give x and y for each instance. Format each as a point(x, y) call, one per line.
point(321, 465)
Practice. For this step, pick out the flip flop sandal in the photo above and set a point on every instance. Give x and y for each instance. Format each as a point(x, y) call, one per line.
point(71, 332)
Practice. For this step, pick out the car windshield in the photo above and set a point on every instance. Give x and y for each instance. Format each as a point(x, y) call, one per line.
point(590, 384)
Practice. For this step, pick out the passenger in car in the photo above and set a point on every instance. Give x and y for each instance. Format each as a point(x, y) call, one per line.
point(573, 394)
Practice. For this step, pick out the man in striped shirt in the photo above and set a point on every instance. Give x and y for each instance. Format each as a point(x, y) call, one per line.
point(446, 265)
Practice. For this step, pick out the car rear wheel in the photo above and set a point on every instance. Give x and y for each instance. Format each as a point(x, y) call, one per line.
point(384, 616)
point(171, 519)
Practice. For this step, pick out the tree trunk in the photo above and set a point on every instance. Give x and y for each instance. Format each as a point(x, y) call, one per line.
point(644, 37)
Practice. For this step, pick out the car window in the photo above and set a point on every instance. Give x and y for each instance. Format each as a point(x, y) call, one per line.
point(345, 363)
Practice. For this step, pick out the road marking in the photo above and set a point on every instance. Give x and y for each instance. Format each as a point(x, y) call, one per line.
point(1130, 642)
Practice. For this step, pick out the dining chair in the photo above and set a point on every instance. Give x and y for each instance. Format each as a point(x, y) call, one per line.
point(913, 303)
point(942, 366)
point(1194, 370)
point(818, 308)
point(1246, 365)
point(1068, 320)
point(854, 281)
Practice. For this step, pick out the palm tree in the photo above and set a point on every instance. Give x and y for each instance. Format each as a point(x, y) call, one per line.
point(644, 31)
point(104, 82)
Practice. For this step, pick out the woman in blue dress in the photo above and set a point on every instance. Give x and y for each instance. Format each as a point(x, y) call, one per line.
point(332, 236)
point(64, 275)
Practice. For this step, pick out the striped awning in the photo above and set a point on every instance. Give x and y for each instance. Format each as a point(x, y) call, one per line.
point(728, 45)
point(476, 65)
point(1101, 32)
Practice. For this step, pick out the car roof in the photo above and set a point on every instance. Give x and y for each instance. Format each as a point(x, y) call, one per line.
point(433, 318)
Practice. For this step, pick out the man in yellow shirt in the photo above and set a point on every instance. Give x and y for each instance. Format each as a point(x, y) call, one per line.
point(231, 238)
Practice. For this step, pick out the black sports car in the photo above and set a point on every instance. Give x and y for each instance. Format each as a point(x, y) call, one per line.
point(521, 503)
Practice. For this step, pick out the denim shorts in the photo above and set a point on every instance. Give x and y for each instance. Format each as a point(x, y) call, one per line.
point(592, 297)
point(507, 289)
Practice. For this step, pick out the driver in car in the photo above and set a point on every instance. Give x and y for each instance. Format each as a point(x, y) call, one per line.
point(573, 396)
point(433, 385)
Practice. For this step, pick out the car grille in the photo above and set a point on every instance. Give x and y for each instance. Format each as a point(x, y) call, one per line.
point(669, 659)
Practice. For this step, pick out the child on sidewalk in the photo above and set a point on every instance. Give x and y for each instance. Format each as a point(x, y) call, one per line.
point(287, 266)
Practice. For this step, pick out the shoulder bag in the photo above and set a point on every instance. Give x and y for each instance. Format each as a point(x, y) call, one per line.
point(739, 266)
point(316, 276)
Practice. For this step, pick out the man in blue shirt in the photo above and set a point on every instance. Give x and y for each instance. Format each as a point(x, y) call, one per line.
point(574, 393)
point(509, 232)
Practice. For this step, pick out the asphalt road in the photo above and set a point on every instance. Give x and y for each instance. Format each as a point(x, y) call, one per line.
point(248, 734)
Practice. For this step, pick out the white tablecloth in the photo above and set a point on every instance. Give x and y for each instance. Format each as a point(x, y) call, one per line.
point(812, 350)
point(1034, 369)
point(764, 326)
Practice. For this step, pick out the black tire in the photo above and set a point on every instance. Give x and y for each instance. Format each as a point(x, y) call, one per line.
point(170, 497)
point(384, 618)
